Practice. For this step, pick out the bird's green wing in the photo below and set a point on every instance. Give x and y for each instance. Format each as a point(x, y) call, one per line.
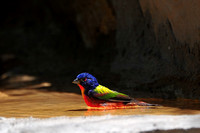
point(104, 93)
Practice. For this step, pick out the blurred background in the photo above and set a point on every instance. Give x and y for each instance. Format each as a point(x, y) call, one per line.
point(143, 48)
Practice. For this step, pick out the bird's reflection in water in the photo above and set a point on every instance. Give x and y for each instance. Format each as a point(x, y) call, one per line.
point(115, 111)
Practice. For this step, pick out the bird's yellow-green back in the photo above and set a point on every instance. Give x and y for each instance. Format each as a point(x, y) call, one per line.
point(105, 93)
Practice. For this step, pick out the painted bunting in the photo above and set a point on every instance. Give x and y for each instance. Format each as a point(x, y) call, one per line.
point(96, 95)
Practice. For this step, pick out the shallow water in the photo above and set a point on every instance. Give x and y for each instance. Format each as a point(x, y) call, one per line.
point(43, 104)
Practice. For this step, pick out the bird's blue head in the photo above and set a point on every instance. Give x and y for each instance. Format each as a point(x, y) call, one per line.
point(86, 80)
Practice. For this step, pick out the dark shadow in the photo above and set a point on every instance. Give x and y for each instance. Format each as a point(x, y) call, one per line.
point(108, 108)
point(78, 110)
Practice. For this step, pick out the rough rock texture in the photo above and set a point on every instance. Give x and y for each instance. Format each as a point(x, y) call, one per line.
point(158, 45)
point(147, 45)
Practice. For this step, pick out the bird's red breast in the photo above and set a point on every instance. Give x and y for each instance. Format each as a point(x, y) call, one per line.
point(88, 100)
point(91, 102)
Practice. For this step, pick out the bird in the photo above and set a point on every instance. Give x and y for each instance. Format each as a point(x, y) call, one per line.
point(96, 95)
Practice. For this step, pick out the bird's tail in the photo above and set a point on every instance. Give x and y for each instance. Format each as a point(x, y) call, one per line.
point(140, 103)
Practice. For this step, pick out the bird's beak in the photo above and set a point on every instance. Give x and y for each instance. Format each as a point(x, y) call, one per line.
point(76, 81)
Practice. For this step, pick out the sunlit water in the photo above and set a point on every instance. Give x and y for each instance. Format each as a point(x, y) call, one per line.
point(43, 104)
point(34, 111)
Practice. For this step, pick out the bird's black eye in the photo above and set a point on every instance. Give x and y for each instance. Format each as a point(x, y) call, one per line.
point(83, 79)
